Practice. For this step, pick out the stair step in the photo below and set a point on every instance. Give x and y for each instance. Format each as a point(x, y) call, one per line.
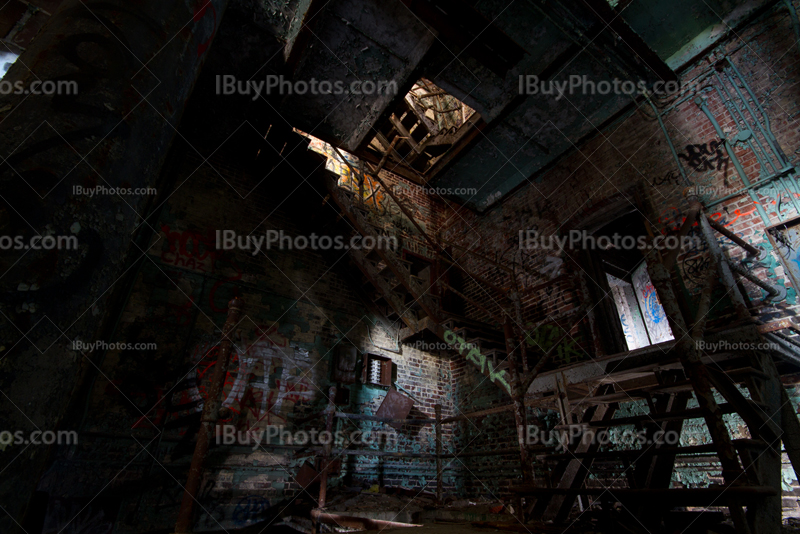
point(692, 413)
point(692, 449)
point(712, 496)
point(737, 375)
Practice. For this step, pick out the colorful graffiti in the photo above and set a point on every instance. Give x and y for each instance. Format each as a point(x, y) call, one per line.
point(189, 249)
point(250, 509)
point(655, 319)
point(262, 383)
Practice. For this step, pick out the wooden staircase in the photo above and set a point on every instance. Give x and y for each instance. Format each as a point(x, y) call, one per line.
point(750, 479)
point(401, 296)
point(645, 467)
point(746, 379)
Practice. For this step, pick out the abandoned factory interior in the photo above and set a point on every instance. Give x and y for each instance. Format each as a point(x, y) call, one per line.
point(445, 266)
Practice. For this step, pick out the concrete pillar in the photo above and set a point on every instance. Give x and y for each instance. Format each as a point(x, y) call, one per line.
point(133, 65)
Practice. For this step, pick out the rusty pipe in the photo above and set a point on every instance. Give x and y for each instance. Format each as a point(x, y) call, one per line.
point(208, 419)
point(326, 451)
point(751, 250)
point(695, 207)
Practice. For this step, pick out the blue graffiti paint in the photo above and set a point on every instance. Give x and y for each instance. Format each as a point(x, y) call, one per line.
point(250, 509)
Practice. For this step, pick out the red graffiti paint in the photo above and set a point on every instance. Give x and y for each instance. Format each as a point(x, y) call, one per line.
point(200, 12)
point(188, 249)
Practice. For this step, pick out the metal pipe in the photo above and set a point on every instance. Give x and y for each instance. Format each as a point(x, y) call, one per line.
point(754, 185)
point(751, 250)
point(208, 419)
point(701, 103)
point(723, 268)
point(766, 130)
point(691, 217)
point(438, 409)
point(729, 100)
point(326, 450)
point(669, 142)
point(776, 293)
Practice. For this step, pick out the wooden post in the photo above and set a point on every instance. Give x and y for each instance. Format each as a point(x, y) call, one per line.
point(326, 451)
point(208, 420)
point(438, 408)
point(518, 396)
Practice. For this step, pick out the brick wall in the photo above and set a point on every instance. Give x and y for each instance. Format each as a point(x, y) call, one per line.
point(144, 405)
point(632, 154)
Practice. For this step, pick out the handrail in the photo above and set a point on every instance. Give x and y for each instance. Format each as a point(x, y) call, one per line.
point(481, 256)
point(389, 192)
point(438, 250)
point(751, 250)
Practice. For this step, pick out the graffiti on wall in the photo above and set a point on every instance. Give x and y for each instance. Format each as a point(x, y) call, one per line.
point(262, 385)
point(655, 318)
point(473, 354)
point(550, 338)
point(706, 157)
point(189, 249)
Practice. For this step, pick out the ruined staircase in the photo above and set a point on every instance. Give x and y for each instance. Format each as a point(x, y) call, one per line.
point(402, 296)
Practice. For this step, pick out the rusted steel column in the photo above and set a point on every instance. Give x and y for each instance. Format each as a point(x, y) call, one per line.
point(208, 419)
point(724, 269)
point(695, 207)
point(326, 449)
point(518, 396)
point(438, 408)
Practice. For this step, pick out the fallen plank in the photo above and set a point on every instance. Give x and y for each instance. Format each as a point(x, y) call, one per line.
point(361, 523)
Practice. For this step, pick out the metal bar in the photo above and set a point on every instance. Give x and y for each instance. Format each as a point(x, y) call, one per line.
point(701, 103)
point(517, 395)
point(751, 250)
point(759, 423)
point(776, 293)
point(362, 417)
point(691, 217)
point(669, 142)
point(754, 185)
point(766, 130)
point(438, 410)
point(208, 419)
point(724, 269)
point(696, 372)
point(702, 308)
point(790, 195)
point(775, 325)
point(326, 450)
point(735, 106)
